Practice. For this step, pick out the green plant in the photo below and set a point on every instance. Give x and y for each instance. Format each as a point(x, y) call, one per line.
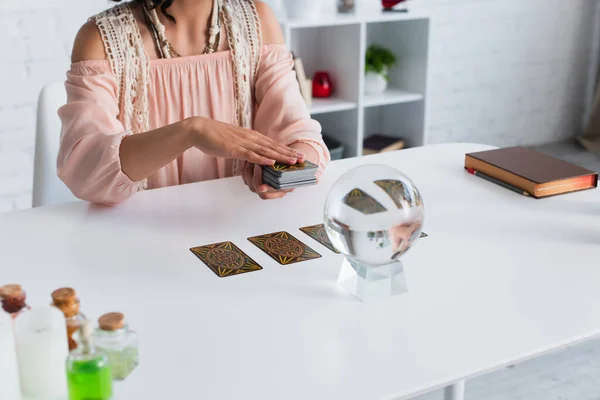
point(379, 60)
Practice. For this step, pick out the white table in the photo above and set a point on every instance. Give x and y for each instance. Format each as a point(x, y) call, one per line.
point(501, 278)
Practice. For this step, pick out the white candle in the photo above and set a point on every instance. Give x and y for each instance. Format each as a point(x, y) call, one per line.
point(42, 351)
point(9, 373)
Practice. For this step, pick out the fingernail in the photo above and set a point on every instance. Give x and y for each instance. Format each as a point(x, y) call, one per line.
point(300, 154)
point(263, 189)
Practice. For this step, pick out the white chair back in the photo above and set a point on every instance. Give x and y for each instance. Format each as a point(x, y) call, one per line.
point(48, 189)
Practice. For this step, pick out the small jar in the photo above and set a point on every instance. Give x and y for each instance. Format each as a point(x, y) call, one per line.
point(66, 300)
point(322, 85)
point(13, 299)
point(118, 342)
point(346, 6)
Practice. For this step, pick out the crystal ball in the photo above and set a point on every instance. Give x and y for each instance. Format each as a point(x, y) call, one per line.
point(374, 214)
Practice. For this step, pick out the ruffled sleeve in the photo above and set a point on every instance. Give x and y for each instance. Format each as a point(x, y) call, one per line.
point(88, 159)
point(281, 111)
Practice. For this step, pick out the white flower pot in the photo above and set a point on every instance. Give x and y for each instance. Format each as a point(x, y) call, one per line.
point(375, 83)
point(304, 9)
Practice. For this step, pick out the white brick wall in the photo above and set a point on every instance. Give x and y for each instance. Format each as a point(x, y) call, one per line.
point(508, 72)
point(36, 38)
point(502, 72)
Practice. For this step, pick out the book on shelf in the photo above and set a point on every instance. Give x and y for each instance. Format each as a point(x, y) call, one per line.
point(379, 143)
point(304, 83)
point(530, 172)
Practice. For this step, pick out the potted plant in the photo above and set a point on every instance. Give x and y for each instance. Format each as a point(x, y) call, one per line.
point(379, 60)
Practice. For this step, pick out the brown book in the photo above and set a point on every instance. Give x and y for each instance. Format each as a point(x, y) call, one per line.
point(381, 144)
point(537, 174)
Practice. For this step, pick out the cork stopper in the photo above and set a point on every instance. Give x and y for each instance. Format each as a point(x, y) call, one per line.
point(66, 300)
point(111, 321)
point(11, 291)
point(13, 298)
point(64, 295)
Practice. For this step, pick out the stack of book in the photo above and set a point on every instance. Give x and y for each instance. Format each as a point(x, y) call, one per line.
point(304, 83)
point(379, 143)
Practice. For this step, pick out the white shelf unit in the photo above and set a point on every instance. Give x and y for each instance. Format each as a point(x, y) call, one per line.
point(333, 104)
point(391, 96)
point(337, 44)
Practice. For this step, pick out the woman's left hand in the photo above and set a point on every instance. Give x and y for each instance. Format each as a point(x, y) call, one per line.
point(252, 176)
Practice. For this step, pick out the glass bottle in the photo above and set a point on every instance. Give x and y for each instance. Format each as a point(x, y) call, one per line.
point(13, 299)
point(88, 371)
point(118, 342)
point(66, 300)
point(9, 371)
point(41, 353)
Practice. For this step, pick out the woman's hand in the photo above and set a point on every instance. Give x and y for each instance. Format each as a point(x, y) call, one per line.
point(252, 175)
point(228, 141)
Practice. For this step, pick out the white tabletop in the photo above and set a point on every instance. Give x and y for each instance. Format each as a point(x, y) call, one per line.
point(500, 279)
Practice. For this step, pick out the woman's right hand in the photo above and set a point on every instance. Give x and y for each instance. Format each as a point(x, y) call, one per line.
point(223, 140)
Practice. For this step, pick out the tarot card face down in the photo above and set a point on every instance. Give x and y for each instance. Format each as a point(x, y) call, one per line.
point(398, 192)
point(284, 248)
point(362, 202)
point(225, 259)
point(318, 233)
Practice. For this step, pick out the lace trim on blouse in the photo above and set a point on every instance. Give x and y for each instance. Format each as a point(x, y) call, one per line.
point(245, 41)
point(130, 64)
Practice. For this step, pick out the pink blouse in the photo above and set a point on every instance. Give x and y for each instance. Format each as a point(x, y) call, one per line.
point(88, 160)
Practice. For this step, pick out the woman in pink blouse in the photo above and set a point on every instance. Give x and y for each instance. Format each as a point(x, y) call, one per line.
point(168, 92)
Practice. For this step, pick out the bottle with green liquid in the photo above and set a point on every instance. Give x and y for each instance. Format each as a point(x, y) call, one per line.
point(88, 372)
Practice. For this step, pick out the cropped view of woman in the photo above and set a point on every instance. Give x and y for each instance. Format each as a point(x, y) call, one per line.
point(168, 92)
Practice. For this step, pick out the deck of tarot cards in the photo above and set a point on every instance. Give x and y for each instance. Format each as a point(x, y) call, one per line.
point(282, 176)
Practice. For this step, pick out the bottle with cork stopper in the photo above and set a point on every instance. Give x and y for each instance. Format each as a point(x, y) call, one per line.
point(88, 371)
point(65, 299)
point(13, 299)
point(115, 339)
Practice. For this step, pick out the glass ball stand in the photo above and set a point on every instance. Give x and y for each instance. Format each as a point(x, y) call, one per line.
point(373, 215)
point(370, 283)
